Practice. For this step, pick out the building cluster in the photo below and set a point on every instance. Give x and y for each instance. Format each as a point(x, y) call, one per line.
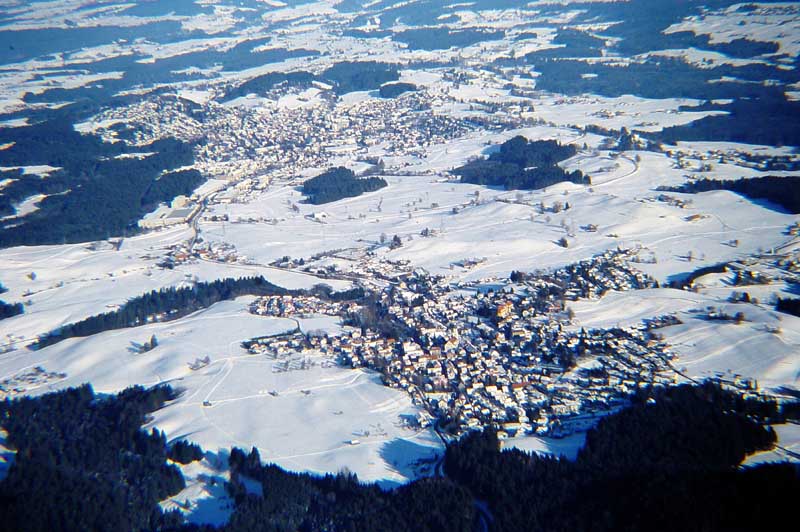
point(508, 357)
point(672, 200)
point(694, 159)
point(299, 306)
point(591, 278)
point(20, 383)
point(281, 141)
point(151, 119)
point(497, 352)
point(292, 129)
point(213, 251)
point(180, 211)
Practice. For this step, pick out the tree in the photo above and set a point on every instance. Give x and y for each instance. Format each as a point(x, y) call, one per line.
point(522, 164)
point(8, 310)
point(338, 183)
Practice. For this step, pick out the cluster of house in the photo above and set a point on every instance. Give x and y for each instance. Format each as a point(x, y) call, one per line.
point(496, 352)
point(671, 200)
point(689, 158)
point(789, 262)
point(35, 377)
point(281, 141)
point(151, 119)
point(593, 277)
point(300, 306)
point(301, 351)
point(262, 137)
point(507, 357)
point(207, 250)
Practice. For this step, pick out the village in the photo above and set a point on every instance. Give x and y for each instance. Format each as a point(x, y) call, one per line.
point(498, 352)
point(263, 139)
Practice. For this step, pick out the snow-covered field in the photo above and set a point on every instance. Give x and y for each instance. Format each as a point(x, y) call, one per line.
point(301, 419)
point(327, 418)
point(773, 22)
point(67, 283)
point(513, 236)
point(706, 347)
point(321, 419)
point(766, 346)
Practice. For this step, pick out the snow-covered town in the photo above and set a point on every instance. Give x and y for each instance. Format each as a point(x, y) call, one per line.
point(499, 353)
point(349, 235)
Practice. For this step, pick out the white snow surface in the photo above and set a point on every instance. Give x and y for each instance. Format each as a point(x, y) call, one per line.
point(228, 403)
point(309, 421)
point(707, 347)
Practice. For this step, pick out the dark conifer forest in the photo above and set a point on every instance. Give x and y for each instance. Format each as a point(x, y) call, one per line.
point(184, 452)
point(523, 164)
point(7, 310)
point(783, 191)
point(349, 76)
point(173, 303)
point(668, 461)
point(789, 305)
point(98, 190)
point(339, 183)
point(84, 463)
point(393, 90)
point(346, 76)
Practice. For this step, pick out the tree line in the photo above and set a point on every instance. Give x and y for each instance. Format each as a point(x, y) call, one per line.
point(173, 303)
point(299, 501)
point(393, 90)
point(84, 463)
point(8, 310)
point(345, 76)
point(669, 461)
point(789, 305)
point(780, 190)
